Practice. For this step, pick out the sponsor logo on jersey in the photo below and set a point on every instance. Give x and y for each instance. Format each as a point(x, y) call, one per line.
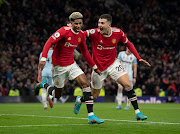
point(56, 35)
point(67, 44)
point(79, 39)
point(114, 41)
point(92, 31)
point(101, 47)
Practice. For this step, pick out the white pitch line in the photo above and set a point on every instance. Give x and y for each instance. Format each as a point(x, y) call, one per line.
point(134, 122)
point(47, 125)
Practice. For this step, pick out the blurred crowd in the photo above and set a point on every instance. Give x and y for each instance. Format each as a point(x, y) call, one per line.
point(151, 25)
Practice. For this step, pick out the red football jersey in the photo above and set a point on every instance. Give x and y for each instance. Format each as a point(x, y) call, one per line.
point(66, 41)
point(104, 46)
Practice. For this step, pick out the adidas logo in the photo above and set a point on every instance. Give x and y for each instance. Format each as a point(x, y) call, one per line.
point(69, 38)
point(101, 41)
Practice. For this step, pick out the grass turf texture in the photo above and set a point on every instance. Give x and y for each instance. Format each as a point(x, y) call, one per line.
point(31, 118)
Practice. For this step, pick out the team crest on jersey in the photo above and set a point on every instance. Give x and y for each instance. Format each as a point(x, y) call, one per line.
point(79, 39)
point(92, 31)
point(114, 41)
point(57, 83)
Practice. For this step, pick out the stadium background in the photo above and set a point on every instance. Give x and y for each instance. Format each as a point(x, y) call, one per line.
point(152, 26)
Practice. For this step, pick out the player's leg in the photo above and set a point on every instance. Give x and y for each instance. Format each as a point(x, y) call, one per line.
point(119, 96)
point(97, 82)
point(44, 94)
point(50, 97)
point(127, 104)
point(128, 101)
point(124, 81)
point(88, 98)
point(95, 92)
point(59, 78)
point(78, 75)
point(119, 74)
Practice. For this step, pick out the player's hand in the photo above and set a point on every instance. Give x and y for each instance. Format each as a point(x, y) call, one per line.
point(98, 71)
point(145, 62)
point(134, 81)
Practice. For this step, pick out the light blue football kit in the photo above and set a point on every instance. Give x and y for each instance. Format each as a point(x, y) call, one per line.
point(46, 72)
point(127, 62)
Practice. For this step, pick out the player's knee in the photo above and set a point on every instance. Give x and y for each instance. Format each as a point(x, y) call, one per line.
point(128, 87)
point(85, 84)
point(131, 95)
point(95, 96)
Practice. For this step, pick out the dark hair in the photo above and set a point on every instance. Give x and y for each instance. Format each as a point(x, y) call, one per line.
point(106, 16)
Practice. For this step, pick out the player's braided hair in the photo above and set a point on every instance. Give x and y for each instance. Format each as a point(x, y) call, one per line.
point(75, 16)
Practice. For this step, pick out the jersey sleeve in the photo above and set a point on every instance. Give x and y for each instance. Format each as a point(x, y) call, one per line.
point(55, 37)
point(85, 52)
point(128, 44)
point(91, 33)
point(86, 33)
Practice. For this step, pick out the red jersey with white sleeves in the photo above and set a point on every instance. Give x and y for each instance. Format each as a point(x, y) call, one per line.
point(104, 46)
point(66, 41)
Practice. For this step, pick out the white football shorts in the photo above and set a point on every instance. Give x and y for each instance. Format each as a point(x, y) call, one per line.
point(115, 71)
point(70, 72)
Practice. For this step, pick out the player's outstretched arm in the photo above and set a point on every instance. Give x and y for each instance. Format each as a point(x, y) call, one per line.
point(145, 62)
point(40, 68)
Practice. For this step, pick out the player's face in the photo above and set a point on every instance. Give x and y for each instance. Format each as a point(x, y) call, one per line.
point(128, 51)
point(77, 25)
point(104, 26)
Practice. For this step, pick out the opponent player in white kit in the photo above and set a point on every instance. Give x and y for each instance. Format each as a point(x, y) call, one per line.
point(104, 43)
point(46, 75)
point(66, 39)
point(129, 62)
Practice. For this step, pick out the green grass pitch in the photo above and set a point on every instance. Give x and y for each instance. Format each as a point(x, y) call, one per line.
point(31, 118)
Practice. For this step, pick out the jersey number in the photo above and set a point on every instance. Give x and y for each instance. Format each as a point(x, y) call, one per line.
point(119, 68)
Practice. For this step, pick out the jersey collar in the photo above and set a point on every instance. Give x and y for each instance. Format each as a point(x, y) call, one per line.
point(74, 31)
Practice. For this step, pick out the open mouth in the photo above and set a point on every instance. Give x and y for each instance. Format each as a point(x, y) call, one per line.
point(101, 29)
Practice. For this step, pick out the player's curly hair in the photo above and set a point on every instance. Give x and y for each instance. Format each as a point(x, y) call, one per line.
point(75, 16)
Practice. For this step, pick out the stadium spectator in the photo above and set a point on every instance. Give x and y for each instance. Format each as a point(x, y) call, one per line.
point(25, 26)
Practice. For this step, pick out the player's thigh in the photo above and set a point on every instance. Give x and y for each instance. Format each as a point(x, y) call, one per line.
point(124, 81)
point(59, 76)
point(97, 80)
point(116, 70)
point(82, 81)
point(95, 92)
